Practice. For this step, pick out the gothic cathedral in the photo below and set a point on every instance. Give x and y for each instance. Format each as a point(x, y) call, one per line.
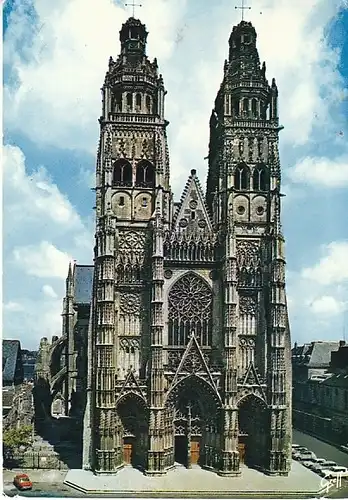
point(189, 342)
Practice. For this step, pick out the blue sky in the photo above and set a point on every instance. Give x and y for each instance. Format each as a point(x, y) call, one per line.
point(55, 59)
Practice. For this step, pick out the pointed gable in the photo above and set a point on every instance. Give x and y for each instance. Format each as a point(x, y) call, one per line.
point(193, 363)
point(191, 214)
point(251, 376)
point(131, 385)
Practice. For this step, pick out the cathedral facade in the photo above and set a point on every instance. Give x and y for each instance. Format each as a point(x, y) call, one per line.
point(188, 343)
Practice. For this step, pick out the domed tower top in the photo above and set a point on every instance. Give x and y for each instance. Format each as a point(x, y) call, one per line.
point(133, 37)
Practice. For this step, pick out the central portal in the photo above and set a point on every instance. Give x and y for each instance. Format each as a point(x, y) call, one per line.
point(187, 453)
point(195, 450)
point(181, 450)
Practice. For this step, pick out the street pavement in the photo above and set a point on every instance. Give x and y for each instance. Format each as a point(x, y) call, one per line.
point(49, 483)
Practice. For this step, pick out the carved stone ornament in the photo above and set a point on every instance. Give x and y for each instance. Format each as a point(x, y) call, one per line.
point(168, 274)
point(202, 223)
point(248, 253)
point(130, 303)
point(247, 305)
point(193, 363)
point(183, 222)
point(131, 240)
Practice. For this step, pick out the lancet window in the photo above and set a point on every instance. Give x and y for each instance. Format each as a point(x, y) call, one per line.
point(148, 104)
point(138, 102)
point(145, 174)
point(190, 311)
point(260, 180)
point(241, 177)
point(122, 174)
point(129, 99)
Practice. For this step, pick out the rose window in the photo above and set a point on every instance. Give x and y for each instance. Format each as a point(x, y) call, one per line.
point(190, 311)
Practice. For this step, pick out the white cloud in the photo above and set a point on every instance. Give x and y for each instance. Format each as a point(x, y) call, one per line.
point(321, 172)
point(27, 197)
point(33, 320)
point(318, 295)
point(42, 230)
point(56, 99)
point(57, 65)
point(327, 305)
point(12, 307)
point(43, 260)
point(53, 96)
point(48, 291)
point(332, 267)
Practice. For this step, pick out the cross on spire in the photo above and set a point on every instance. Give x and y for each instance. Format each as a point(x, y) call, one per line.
point(133, 5)
point(243, 8)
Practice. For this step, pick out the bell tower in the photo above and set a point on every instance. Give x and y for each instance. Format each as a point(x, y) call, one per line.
point(243, 194)
point(132, 192)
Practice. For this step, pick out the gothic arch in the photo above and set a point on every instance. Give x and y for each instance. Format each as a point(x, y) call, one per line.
point(193, 410)
point(253, 425)
point(132, 428)
point(260, 178)
point(242, 177)
point(145, 174)
point(255, 398)
point(122, 173)
point(190, 301)
point(129, 396)
point(58, 356)
point(198, 384)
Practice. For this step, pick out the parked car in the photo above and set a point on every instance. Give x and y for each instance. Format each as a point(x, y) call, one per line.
point(304, 455)
point(294, 446)
point(335, 471)
point(22, 482)
point(325, 465)
point(298, 450)
point(312, 462)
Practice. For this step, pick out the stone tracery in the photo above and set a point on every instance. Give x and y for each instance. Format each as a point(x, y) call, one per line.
point(190, 310)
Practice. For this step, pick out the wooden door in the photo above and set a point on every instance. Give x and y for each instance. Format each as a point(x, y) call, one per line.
point(127, 452)
point(241, 448)
point(194, 452)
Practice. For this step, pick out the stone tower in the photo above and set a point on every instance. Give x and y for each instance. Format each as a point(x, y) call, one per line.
point(243, 194)
point(188, 344)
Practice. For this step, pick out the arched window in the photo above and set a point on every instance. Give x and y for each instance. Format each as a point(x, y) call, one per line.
point(235, 106)
point(129, 102)
point(241, 177)
point(138, 102)
point(260, 180)
point(190, 311)
point(145, 174)
point(245, 105)
point(254, 108)
point(122, 175)
point(148, 104)
point(118, 100)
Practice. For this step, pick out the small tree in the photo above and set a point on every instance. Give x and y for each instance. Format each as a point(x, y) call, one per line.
point(14, 438)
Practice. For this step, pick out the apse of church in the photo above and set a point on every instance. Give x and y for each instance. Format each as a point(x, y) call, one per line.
point(189, 342)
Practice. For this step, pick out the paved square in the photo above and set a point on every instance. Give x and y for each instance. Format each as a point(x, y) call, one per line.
point(197, 482)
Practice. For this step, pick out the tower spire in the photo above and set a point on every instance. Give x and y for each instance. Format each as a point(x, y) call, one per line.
point(133, 5)
point(242, 7)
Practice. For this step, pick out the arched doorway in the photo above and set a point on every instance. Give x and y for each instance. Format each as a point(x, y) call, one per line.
point(253, 427)
point(133, 429)
point(195, 410)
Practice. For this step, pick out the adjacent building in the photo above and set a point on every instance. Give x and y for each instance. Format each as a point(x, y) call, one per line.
point(12, 372)
point(320, 390)
point(61, 367)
